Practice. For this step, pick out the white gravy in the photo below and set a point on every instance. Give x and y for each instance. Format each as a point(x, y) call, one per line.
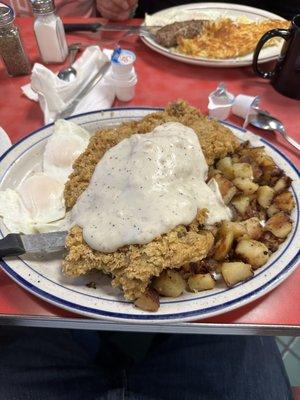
point(145, 186)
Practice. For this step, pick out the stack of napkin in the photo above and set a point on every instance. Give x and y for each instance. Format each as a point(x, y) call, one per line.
point(54, 94)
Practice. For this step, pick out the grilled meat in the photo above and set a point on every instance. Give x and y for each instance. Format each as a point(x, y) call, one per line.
point(167, 35)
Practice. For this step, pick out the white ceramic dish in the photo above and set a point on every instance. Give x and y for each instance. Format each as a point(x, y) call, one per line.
point(212, 11)
point(43, 277)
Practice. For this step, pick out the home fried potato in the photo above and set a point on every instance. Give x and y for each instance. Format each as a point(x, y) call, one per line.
point(241, 203)
point(253, 228)
point(246, 185)
point(223, 246)
point(169, 283)
point(284, 201)
point(148, 301)
point(242, 170)
point(282, 183)
point(279, 224)
point(265, 195)
point(272, 210)
point(225, 166)
point(253, 252)
point(272, 242)
point(199, 282)
point(234, 272)
point(236, 228)
point(226, 187)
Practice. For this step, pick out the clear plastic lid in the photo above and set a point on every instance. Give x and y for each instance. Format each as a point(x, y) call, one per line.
point(220, 96)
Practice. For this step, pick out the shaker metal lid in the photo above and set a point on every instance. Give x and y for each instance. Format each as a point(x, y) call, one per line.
point(7, 14)
point(42, 6)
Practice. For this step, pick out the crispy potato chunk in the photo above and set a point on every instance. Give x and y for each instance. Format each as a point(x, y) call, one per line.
point(246, 185)
point(241, 203)
point(253, 228)
point(170, 284)
point(265, 195)
point(206, 265)
point(285, 201)
point(253, 252)
point(242, 170)
point(234, 272)
point(272, 242)
point(272, 210)
point(148, 301)
point(226, 187)
point(270, 174)
point(226, 167)
point(283, 183)
point(199, 282)
point(236, 228)
point(279, 224)
point(223, 246)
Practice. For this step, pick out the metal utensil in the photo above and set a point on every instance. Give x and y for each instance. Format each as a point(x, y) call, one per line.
point(69, 73)
point(96, 27)
point(263, 120)
point(15, 244)
point(86, 89)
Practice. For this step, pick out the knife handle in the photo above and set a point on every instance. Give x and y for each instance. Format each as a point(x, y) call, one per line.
point(82, 27)
point(11, 245)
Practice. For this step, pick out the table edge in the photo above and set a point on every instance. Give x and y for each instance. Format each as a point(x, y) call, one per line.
point(179, 328)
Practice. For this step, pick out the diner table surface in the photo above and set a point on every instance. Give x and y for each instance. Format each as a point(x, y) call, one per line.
point(160, 80)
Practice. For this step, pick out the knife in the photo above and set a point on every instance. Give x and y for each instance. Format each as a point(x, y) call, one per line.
point(86, 89)
point(96, 27)
point(16, 244)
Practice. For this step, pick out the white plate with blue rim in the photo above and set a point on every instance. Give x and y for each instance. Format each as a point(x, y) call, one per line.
point(211, 11)
point(44, 279)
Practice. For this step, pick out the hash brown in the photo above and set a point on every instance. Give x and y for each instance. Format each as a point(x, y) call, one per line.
point(225, 38)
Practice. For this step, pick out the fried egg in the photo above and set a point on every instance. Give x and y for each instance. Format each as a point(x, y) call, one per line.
point(33, 205)
point(37, 204)
point(64, 146)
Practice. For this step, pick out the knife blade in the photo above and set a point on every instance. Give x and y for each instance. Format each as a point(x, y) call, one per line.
point(15, 244)
point(96, 27)
point(86, 89)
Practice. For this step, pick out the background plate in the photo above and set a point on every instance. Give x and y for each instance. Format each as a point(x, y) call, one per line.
point(213, 11)
point(43, 277)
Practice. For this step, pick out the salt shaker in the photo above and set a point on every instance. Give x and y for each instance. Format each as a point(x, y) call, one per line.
point(11, 47)
point(49, 32)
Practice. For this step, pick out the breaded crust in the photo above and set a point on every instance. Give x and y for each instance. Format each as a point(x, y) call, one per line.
point(216, 141)
point(132, 267)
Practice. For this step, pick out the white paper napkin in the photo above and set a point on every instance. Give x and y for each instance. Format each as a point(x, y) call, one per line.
point(54, 95)
point(5, 141)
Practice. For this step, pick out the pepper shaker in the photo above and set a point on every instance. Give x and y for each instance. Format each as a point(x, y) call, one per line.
point(49, 32)
point(11, 47)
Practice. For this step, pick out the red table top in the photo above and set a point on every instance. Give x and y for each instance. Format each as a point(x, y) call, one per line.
point(160, 80)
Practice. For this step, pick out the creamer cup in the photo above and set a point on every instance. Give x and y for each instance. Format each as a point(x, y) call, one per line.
point(122, 61)
point(243, 104)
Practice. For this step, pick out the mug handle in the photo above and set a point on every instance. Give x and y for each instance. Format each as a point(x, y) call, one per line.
point(284, 33)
